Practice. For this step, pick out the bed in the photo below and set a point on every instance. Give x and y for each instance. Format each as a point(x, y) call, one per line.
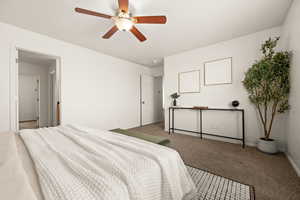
point(71, 162)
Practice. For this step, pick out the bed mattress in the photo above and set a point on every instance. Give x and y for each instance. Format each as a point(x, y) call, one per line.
point(15, 155)
point(28, 166)
point(18, 178)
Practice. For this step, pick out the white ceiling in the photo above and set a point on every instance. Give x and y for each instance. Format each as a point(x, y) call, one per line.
point(191, 23)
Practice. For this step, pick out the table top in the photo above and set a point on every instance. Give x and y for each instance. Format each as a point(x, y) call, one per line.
point(205, 108)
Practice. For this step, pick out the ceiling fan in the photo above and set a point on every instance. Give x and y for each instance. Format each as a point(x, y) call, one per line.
point(124, 21)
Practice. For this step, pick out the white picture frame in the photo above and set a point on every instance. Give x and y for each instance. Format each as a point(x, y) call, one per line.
point(189, 82)
point(218, 72)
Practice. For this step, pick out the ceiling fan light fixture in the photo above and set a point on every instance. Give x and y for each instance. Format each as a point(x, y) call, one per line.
point(124, 21)
point(123, 24)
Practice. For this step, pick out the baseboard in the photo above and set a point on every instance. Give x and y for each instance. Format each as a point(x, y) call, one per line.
point(33, 120)
point(247, 143)
point(281, 148)
point(293, 163)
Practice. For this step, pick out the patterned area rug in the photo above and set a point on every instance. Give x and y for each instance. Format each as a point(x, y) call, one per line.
point(213, 187)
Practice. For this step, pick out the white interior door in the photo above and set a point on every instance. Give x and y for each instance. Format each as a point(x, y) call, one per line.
point(147, 100)
point(28, 98)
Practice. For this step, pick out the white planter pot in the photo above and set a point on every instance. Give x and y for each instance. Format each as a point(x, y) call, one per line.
point(267, 146)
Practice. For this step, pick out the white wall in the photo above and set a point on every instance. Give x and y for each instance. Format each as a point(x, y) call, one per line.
point(244, 51)
point(99, 91)
point(42, 72)
point(291, 41)
point(28, 94)
point(157, 71)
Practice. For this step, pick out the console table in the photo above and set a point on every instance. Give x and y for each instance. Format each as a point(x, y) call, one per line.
point(172, 125)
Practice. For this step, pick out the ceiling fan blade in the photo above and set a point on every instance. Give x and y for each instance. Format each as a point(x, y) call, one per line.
point(138, 34)
point(123, 5)
point(89, 12)
point(110, 32)
point(150, 19)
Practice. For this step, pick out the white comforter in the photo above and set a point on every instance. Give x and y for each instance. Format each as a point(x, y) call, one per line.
point(84, 164)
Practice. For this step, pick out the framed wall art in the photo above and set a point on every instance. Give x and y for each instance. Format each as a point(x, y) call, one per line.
point(189, 82)
point(218, 72)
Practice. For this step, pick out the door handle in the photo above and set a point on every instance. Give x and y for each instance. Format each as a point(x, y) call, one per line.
point(143, 102)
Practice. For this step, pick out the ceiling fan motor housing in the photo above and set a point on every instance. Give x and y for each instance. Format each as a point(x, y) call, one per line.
point(123, 21)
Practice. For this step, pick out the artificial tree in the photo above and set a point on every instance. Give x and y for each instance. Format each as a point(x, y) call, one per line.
point(268, 84)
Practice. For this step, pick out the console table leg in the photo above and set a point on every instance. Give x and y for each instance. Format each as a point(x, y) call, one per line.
point(201, 124)
point(169, 121)
point(243, 124)
point(173, 120)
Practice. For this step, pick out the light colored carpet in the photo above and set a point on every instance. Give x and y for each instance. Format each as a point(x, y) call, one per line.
point(271, 175)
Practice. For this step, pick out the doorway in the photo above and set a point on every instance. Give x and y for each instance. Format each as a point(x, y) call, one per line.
point(29, 106)
point(151, 99)
point(158, 99)
point(36, 78)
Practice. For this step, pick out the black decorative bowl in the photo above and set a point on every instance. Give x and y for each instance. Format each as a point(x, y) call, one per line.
point(235, 103)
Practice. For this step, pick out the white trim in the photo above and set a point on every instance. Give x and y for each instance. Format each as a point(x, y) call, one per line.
point(49, 96)
point(39, 102)
point(293, 163)
point(13, 90)
point(247, 143)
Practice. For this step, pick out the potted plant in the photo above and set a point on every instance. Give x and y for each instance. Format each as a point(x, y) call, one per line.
point(175, 96)
point(268, 85)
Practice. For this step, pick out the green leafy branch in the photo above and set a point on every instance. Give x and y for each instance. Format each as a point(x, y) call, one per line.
point(268, 84)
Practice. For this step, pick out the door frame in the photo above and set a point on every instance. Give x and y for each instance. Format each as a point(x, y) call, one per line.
point(141, 102)
point(51, 98)
point(14, 82)
point(39, 101)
